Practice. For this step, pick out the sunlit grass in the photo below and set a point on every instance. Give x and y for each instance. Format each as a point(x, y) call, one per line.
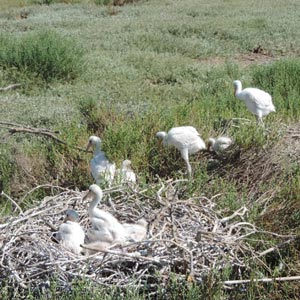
point(147, 67)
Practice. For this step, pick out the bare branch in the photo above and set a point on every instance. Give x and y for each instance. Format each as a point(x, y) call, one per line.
point(10, 87)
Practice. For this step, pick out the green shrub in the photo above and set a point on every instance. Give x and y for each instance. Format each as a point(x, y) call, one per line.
point(43, 54)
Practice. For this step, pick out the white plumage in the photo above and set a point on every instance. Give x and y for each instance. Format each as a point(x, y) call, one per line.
point(257, 101)
point(105, 228)
point(103, 171)
point(126, 174)
point(70, 234)
point(220, 144)
point(136, 232)
point(186, 139)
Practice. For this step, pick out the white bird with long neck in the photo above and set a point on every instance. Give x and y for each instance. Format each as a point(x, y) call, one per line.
point(257, 101)
point(220, 144)
point(186, 139)
point(105, 227)
point(103, 171)
point(70, 234)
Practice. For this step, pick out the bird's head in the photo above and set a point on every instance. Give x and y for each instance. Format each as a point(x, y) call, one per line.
point(94, 190)
point(210, 143)
point(71, 215)
point(126, 163)
point(237, 86)
point(161, 135)
point(93, 141)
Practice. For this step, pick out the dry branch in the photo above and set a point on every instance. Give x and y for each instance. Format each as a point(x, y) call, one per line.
point(17, 128)
point(242, 281)
point(10, 87)
point(186, 237)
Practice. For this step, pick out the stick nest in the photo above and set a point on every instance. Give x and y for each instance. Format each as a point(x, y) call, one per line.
point(186, 237)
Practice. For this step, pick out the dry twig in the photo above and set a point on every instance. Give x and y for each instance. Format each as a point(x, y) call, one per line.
point(186, 237)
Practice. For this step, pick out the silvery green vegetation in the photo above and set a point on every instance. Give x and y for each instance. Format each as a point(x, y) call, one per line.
point(126, 72)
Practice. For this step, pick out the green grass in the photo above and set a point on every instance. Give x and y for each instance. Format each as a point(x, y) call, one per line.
point(43, 54)
point(126, 72)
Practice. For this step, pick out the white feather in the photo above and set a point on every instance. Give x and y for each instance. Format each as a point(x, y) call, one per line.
point(104, 226)
point(186, 139)
point(103, 171)
point(71, 236)
point(125, 174)
point(220, 144)
point(257, 101)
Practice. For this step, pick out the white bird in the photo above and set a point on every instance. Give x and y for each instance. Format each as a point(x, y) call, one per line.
point(103, 171)
point(220, 144)
point(126, 174)
point(186, 139)
point(105, 227)
point(257, 101)
point(136, 232)
point(70, 233)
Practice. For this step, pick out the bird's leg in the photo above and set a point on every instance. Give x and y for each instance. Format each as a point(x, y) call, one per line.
point(189, 168)
point(260, 121)
point(109, 200)
point(185, 156)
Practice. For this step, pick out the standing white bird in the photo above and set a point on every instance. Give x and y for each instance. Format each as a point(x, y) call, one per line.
point(257, 101)
point(70, 233)
point(103, 171)
point(105, 227)
point(126, 174)
point(186, 139)
point(220, 144)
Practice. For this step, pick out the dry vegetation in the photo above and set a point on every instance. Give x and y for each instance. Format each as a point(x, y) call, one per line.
point(186, 238)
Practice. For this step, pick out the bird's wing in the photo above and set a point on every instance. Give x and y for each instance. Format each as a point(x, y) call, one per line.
point(184, 137)
point(258, 97)
point(65, 229)
point(93, 235)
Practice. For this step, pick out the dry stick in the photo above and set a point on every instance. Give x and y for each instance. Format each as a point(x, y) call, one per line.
point(131, 255)
point(16, 221)
point(13, 201)
point(42, 132)
point(8, 125)
point(240, 212)
point(19, 128)
point(10, 87)
point(275, 247)
point(241, 281)
point(43, 186)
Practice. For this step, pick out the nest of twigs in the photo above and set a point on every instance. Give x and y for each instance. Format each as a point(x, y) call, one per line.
point(186, 237)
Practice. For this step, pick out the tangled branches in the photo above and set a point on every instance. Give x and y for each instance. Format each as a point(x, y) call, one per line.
point(186, 237)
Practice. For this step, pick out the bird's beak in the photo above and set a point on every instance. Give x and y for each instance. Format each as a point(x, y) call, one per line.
point(159, 142)
point(88, 146)
point(87, 195)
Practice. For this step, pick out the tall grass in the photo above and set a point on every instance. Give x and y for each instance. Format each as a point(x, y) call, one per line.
point(282, 80)
point(43, 54)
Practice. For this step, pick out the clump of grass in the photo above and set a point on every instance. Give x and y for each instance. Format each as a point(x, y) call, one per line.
point(6, 166)
point(44, 54)
point(282, 80)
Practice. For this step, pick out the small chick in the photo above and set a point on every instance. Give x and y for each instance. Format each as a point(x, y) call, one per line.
point(70, 234)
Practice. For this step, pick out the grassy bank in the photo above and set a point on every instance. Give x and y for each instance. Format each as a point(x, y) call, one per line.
point(124, 72)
